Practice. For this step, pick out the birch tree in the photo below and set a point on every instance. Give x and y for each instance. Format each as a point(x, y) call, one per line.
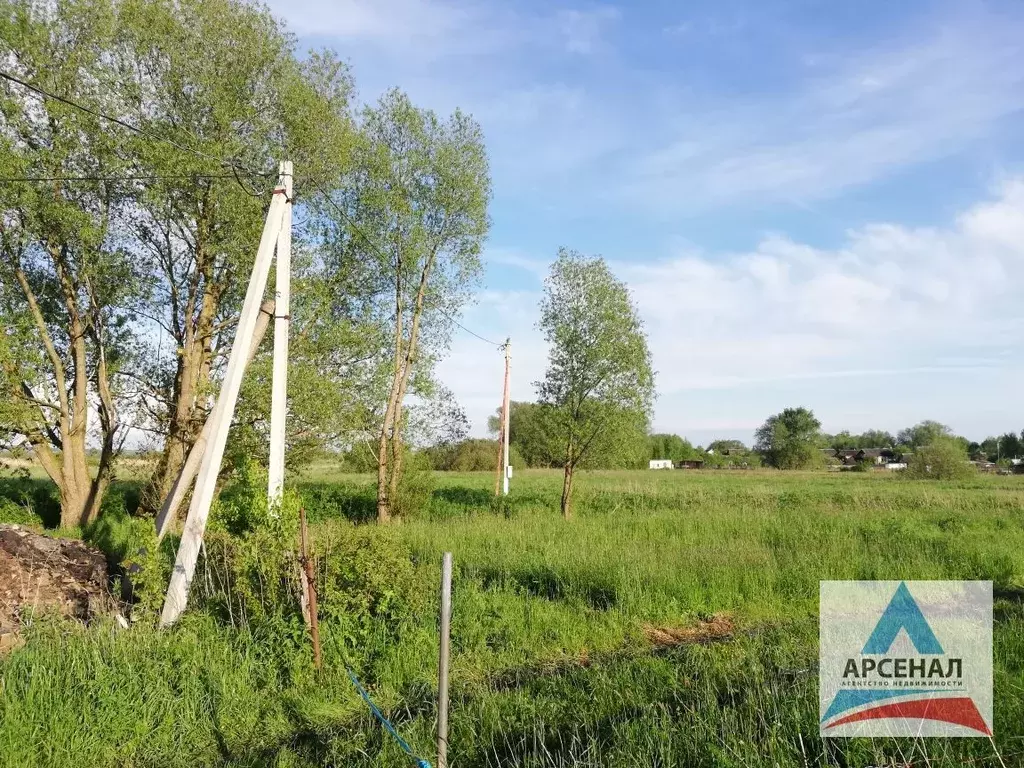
point(599, 385)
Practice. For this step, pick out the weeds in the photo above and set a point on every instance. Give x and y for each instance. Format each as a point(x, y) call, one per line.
point(553, 625)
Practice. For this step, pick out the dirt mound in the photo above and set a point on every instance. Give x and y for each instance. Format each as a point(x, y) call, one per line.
point(45, 574)
point(718, 629)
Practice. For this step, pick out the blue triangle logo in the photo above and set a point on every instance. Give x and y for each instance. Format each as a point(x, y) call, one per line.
point(902, 612)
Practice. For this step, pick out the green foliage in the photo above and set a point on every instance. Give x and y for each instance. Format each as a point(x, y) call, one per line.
point(943, 459)
point(20, 514)
point(922, 434)
point(599, 381)
point(732, 459)
point(674, 447)
point(533, 433)
point(873, 438)
point(472, 455)
point(1007, 446)
point(550, 664)
point(415, 485)
point(720, 446)
point(789, 440)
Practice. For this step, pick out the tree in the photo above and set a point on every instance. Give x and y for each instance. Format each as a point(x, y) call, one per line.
point(720, 446)
point(599, 383)
point(416, 210)
point(923, 433)
point(789, 440)
point(159, 264)
point(222, 78)
point(472, 455)
point(1011, 446)
point(876, 438)
point(673, 447)
point(68, 291)
point(531, 433)
point(943, 458)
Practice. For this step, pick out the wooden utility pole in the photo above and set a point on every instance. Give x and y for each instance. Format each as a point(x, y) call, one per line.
point(279, 391)
point(501, 481)
point(442, 663)
point(202, 496)
point(310, 586)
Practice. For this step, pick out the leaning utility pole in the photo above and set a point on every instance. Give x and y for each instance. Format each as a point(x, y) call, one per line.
point(213, 451)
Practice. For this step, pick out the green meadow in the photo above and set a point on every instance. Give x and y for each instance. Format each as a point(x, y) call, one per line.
point(672, 622)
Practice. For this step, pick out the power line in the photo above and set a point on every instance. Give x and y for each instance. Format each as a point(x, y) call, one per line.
point(133, 128)
point(499, 345)
point(179, 177)
point(231, 164)
point(380, 252)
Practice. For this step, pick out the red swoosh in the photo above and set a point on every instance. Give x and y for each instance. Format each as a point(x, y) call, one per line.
point(959, 711)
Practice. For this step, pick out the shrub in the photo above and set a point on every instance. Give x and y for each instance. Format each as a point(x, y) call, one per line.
point(249, 574)
point(944, 459)
point(21, 514)
point(415, 486)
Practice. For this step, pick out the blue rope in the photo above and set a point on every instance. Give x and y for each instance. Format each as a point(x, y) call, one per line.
point(420, 762)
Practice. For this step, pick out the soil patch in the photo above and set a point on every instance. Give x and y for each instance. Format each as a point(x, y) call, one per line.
point(44, 574)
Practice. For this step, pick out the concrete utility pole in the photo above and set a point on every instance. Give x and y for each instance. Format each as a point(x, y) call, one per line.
point(202, 497)
point(279, 392)
point(505, 417)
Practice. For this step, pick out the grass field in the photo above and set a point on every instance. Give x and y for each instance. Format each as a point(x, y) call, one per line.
point(566, 635)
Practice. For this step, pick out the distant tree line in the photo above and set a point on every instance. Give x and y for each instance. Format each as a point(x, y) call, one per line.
point(791, 439)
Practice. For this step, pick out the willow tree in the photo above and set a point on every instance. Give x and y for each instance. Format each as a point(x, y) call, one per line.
point(157, 265)
point(416, 209)
point(68, 289)
point(599, 386)
point(222, 80)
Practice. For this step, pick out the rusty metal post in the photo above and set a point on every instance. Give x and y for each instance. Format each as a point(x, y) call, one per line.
point(307, 569)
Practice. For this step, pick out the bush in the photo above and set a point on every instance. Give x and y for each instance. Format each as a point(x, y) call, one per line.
point(944, 459)
point(249, 574)
point(473, 455)
point(415, 486)
point(21, 514)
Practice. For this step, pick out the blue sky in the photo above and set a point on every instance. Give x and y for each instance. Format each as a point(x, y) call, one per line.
point(814, 203)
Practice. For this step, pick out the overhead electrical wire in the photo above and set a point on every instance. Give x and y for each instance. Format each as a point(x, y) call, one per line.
point(171, 177)
point(225, 163)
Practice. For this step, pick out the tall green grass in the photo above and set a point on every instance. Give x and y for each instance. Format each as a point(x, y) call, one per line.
point(550, 663)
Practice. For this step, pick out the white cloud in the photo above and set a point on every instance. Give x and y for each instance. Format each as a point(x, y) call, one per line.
point(856, 120)
point(569, 127)
point(893, 302)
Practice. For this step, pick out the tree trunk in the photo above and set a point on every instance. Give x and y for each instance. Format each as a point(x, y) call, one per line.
point(567, 492)
point(383, 498)
point(186, 417)
point(396, 455)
